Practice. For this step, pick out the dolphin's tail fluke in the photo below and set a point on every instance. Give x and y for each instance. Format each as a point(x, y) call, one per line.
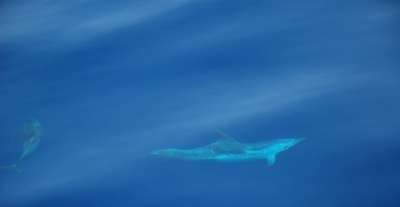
point(11, 167)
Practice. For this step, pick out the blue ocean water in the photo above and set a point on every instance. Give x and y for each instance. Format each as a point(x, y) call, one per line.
point(111, 81)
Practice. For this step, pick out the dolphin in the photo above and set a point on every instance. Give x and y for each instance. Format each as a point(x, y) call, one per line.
point(31, 134)
point(228, 149)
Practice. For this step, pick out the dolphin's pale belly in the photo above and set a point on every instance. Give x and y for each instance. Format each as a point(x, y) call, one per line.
point(29, 146)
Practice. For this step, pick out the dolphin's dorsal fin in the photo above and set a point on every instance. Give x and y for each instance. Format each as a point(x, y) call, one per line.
point(224, 137)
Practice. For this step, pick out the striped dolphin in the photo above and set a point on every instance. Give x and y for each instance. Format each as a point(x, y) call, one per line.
point(228, 149)
point(31, 134)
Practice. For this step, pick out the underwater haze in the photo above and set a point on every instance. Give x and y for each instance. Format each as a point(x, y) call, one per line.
point(112, 81)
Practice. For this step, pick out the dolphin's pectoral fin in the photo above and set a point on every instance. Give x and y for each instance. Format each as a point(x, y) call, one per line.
point(271, 159)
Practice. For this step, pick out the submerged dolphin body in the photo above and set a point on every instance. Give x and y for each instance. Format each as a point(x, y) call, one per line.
point(228, 149)
point(31, 134)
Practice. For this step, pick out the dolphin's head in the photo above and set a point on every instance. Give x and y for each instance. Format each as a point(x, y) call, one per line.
point(285, 144)
point(32, 128)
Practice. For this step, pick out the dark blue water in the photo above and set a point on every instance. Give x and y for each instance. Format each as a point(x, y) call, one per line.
point(111, 81)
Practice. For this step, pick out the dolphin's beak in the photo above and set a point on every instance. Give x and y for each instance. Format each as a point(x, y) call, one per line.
point(300, 139)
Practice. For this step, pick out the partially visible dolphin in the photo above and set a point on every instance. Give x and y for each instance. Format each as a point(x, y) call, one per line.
point(31, 134)
point(228, 149)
